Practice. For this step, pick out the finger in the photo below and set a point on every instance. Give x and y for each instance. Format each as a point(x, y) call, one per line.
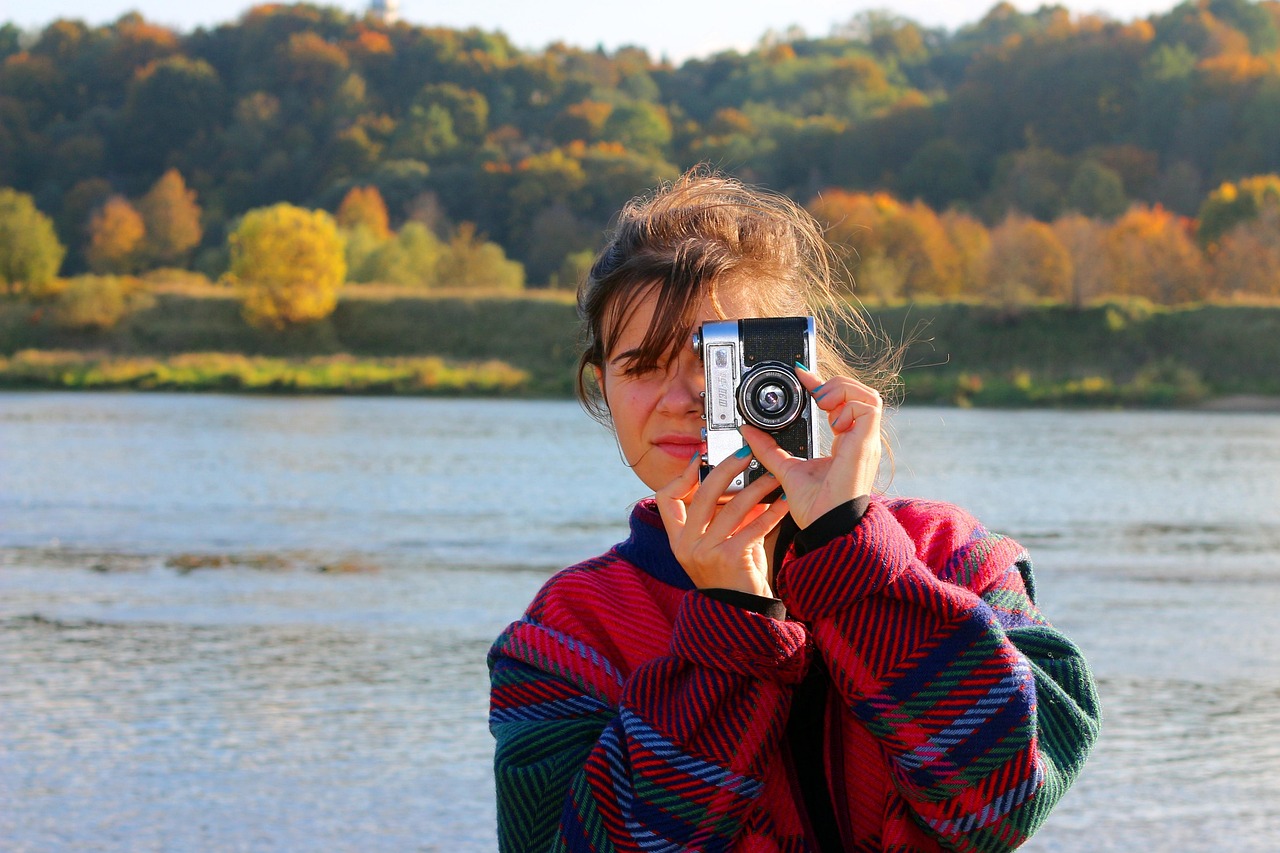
point(672, 498)
point(703, 507)
point(852, 413)
point(841, 389)
point(810, 379)
point(776, 460)
point(741, 507)
point(760, 526)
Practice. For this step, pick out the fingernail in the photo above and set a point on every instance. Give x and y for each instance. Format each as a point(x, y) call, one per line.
point(784, 496)
point(743, 452)
point(801, 366)
point(694, 456)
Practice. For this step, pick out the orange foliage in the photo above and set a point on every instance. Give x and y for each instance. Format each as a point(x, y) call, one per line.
point(1026, 262)
point(1151, 253)
point(116, 231)
point(364, 207)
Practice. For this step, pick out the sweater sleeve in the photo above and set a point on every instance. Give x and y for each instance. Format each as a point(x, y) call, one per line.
point(671, 755)
point(983, 711)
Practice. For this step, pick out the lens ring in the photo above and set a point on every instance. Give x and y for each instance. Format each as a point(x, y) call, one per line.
point(774, 385)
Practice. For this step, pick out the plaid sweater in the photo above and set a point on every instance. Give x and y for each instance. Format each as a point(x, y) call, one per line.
point(633, 713)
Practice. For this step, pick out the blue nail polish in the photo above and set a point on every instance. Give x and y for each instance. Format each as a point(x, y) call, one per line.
point(801, 366)
point(743, 452)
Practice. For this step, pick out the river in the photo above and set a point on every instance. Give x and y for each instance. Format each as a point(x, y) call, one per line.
point(258, 623)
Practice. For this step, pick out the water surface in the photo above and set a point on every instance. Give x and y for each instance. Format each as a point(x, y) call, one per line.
point(260, 624)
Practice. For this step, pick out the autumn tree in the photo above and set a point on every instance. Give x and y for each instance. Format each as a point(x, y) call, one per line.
point(1150, 253)
point(1085, 240)
point(1026, 262)
point(287, 265)
point(894, 250)
point(1247, 262)
point(363, 207)
point(116, 233)
point(171, 217)
point(30, 254)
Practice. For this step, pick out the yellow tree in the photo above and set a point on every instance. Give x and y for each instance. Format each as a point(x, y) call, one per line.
point(855, 226)
point(1150, 253)
point(116, 232)
point(287, 265)
point(172, 219)
point(971, 240)
point(895, 250)
point(1026, 262)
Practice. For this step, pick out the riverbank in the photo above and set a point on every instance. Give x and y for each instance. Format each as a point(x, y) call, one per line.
point(395, 341)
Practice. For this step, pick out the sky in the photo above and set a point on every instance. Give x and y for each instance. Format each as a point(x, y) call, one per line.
point(675, 29)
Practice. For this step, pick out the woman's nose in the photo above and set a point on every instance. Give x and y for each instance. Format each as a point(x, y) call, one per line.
point(684, 386)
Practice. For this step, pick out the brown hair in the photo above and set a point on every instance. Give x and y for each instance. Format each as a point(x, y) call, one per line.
point(692, 239)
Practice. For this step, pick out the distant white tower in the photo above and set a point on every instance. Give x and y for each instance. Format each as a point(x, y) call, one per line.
point(387, 11)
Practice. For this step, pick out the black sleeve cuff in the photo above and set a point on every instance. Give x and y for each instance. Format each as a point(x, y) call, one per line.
point(837, 522)
point(765, 606)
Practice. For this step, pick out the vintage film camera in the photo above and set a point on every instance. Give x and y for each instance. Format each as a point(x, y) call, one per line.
point(751, 379)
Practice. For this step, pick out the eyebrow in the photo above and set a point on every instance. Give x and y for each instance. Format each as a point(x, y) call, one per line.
point(629, 355)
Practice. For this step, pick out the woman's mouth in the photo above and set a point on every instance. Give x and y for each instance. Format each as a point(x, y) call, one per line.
point(679, 446)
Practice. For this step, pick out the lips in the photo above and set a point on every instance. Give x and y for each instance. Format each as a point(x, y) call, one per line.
point(679, 446)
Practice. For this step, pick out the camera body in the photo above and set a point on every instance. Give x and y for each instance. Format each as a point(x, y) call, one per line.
point(751, 379)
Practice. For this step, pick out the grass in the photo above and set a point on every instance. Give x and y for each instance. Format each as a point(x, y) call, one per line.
point(380, 338)
point(214, 371)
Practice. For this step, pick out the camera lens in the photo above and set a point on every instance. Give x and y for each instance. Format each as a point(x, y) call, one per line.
point(771, 399)
point(770, 396)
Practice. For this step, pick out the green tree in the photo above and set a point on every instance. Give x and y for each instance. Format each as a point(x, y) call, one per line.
point(287, 265)
point(30, 254)
point(472, 262)
point(1236, 202)
point(1096, 190)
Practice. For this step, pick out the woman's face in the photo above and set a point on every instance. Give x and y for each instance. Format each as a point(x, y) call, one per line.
point(657, 415)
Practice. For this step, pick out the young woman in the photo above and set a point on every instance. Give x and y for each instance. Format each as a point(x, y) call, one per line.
point(831, 670)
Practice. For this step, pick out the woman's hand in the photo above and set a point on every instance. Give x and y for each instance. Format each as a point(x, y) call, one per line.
point(816, 486)
point(721, 545)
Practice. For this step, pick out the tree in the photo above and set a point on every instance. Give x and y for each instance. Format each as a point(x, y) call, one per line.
point(363, 206)
point(172, 219)
point(1085, 241)
point(1247, 262)
point(1026, 262)
point(1096, 190)
point(116, 232)
point(1233, 203)
point(470, 261)
point(287, 265)
point(411, 258)
point(30, 254)
point(1151, 254)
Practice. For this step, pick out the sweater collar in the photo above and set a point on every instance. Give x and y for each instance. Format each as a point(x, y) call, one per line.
point(649, 548)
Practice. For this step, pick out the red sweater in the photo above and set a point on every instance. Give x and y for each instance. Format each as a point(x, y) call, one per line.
point(632, 712)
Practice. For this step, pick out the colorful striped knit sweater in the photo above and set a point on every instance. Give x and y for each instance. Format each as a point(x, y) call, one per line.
point(633, 713)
